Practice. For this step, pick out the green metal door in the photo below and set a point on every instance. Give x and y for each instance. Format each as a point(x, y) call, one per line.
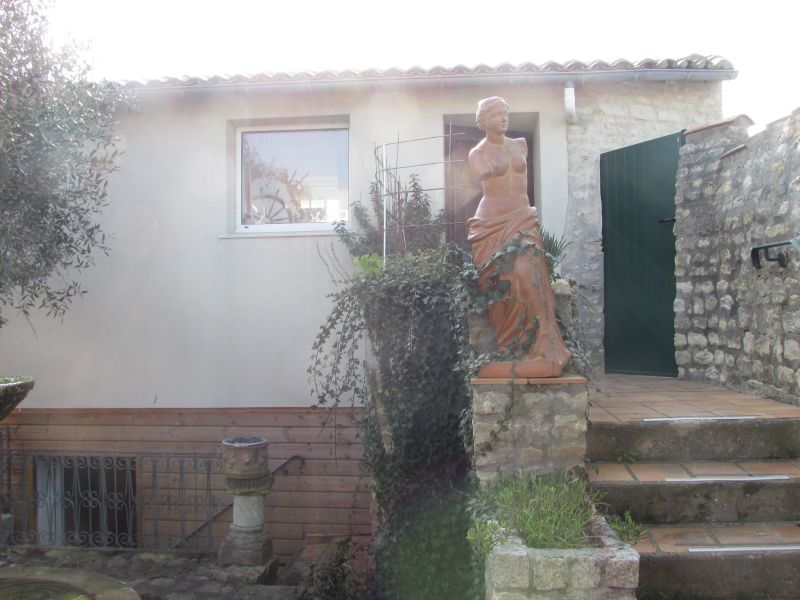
point(637, 187)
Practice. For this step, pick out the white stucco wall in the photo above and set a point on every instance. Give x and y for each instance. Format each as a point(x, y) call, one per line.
point(183, 315)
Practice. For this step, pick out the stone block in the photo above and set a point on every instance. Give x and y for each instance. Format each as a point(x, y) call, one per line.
point(622, 571)
point(551, 570)
point(704, 357)
point(530, 456)
point(791, 350)
point(577, 401)
point(486, 402)
point(534, 403)
point(490, 433)
point(585, 572)
point(786, 376)
point(508, 566)
point(748, 343)
point(512, 596)
point(567, 456)
point(697, 340)
point(498, 456)
point(245, 547)
point(526, 434)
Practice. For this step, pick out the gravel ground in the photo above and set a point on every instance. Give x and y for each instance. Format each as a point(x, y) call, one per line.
point(156, 576)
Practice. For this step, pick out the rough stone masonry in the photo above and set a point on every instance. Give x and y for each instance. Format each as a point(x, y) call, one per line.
point(734, 324)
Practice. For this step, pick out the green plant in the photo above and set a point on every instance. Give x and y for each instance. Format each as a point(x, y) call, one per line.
point(546, 511)
point(624, 456)
point(408, 225)
point(333, 579)
point(57, 149)
point(626, 528)
point(412, 384)
point(554, 250)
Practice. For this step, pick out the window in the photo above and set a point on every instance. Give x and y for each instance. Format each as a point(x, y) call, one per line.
point(291, 180)
point(87, 501)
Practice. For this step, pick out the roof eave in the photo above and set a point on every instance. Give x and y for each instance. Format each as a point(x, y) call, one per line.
point(578, 77)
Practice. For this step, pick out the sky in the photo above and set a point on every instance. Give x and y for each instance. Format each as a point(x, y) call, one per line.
point(147, 39)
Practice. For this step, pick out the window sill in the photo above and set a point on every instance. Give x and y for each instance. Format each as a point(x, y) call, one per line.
point(267, 234)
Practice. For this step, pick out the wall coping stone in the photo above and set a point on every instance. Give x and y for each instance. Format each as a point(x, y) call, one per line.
point(562, 380)
point(745, 120)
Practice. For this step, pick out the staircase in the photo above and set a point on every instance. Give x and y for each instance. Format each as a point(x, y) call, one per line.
point(713, 475)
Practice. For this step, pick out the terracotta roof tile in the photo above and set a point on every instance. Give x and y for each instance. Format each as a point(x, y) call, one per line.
point(695, 62)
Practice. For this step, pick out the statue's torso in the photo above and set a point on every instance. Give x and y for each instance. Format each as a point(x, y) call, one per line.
point(503, 171)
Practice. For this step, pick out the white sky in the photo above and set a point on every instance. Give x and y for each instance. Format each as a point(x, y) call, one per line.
point(141, 39)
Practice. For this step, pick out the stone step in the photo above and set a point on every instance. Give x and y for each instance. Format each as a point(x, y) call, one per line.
point(707, 491)
point(724, 561)
point(694, 438)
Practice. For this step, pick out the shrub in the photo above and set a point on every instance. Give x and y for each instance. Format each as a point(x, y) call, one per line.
point(56, 152)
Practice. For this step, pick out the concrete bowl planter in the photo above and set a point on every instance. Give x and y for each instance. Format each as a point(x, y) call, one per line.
point(13, 391)
point(245, 461)
point(245, 457)
point(607, 571)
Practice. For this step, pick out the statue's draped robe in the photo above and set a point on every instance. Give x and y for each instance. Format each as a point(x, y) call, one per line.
point(527, 301)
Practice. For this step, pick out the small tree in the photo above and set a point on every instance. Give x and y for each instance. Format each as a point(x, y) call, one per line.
point(57, 150)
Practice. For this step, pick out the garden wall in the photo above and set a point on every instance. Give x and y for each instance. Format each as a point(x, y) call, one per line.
point(735, 324)
point(605, 123)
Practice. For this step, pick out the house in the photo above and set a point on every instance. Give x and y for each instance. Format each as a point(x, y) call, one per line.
point(199, 323)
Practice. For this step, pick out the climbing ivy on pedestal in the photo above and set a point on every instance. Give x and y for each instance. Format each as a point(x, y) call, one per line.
point(396, 343)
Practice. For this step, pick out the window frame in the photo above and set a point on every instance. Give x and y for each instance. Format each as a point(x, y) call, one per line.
point(239, 228)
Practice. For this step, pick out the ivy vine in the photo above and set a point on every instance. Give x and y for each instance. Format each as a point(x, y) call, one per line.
point(396, 343)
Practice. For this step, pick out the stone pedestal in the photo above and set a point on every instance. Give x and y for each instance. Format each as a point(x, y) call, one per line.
point(535, 425)
point(248, 478)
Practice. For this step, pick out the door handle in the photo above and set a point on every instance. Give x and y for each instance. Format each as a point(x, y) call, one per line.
point(667, 220)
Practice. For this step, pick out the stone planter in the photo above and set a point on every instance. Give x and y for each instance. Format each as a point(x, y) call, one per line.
point(609, 571)
point(246, 465)
point(13, 391)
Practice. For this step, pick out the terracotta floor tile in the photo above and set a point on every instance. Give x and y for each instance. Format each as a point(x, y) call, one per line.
point(733, 412)
point(714, 468)
point(678, 539)
point(608, 472)
point(628, 397)
point(788, 532)
point(644, 545)
point(772, 467)
point(632, 412)
point(743, 535)
point(657, 471)
point(601, 416)
point(684, 411)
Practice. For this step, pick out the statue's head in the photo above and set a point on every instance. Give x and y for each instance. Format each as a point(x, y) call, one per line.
point(485, 107)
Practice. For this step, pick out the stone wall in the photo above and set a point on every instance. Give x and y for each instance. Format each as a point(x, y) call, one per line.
point(737, 325)
point(612, 116)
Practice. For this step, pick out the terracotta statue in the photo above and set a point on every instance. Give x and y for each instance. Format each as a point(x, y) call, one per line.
point(504, 213)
